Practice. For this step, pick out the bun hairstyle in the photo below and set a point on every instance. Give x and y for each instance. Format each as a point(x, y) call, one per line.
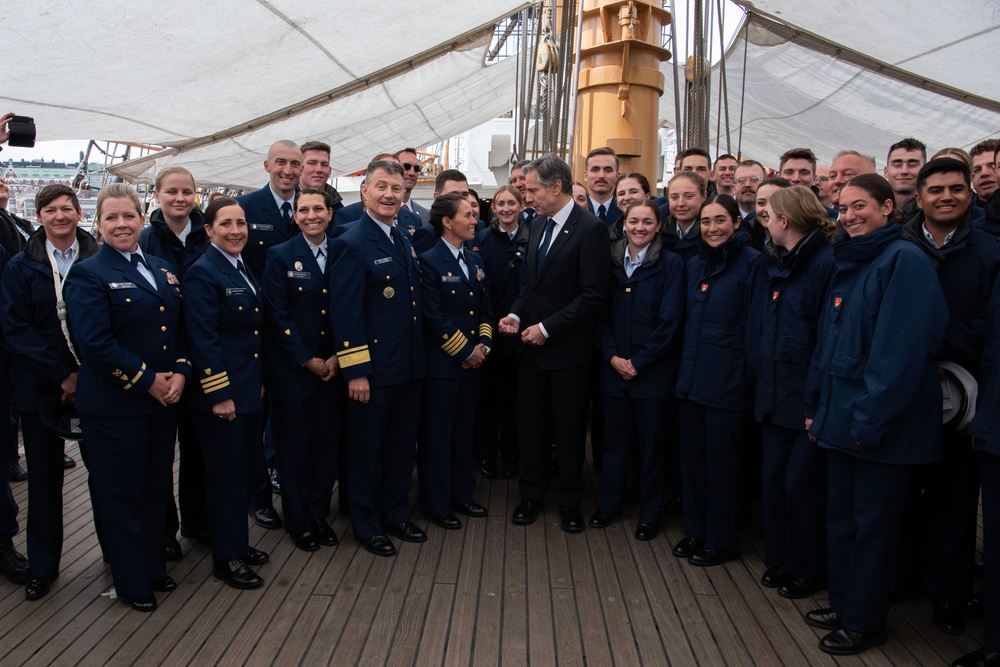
point(880, 190)
point(445, 206)
point(213, 208)
point(800, 207)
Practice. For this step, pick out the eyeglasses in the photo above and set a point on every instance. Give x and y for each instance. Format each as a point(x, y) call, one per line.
point(823, 179)
point(411, 167)
point(753, 179)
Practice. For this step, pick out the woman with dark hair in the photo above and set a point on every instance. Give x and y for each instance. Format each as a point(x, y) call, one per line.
point(799, 264)
point(458, 326)
point(873, 402)
point(630, 188)
point(124, 313)
point(223, 322)
point(713, 384)
point(638, 339)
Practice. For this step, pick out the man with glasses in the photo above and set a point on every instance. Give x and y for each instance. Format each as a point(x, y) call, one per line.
point(411, 172)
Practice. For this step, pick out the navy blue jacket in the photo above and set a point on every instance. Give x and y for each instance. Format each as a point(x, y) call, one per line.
point(408, 221)
point(40, 356)
point(872, 381)
point(5, 380)
point(298, 322)
point(223, 322)
point(986, 424)
point(456, 310)
point(966, 267)
point(375, 306)
point(611, 211)
point(720, 285)
point(642, 323)
point(753, 231)
point(159, 241)
point(782, 329)
point(686, 247)
point(265, 228)
point(990, 222)
point(125, 332)
point(504, 261)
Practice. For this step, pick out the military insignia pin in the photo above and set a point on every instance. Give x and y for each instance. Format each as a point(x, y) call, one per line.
point(298, 266)
point(388, 292)
point(479, 273)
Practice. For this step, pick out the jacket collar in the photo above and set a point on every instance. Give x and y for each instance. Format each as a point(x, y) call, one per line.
point(35, 248)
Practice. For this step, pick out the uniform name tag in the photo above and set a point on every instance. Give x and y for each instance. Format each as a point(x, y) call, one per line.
point(384, 260)
point(300, 274)
point(122, 286)
point(262, 228)
point(236, 291)
point(450, 279)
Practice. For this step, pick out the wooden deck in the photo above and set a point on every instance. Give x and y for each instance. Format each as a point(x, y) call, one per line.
point(491, 593)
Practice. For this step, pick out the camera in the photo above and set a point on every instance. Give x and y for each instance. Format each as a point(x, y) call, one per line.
point(22, 132)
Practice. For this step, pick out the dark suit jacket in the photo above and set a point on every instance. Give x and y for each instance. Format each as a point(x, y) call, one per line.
point(567, 293)
point(265, 228)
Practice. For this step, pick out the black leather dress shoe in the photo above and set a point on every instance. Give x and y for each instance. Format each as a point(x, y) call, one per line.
point(13, 565)
point(773, 577)
point(146, 603)
point(275, 481)
point(510, 470)
point(173, 549)
point(798, 588)
point(849, 642)
point(380, 545)
point(305, 540)
point(448, 521)
point(706, 557)
point(406, 531)
point(267, 518)
point(824, 619)
point(974, 607)
point(571, 518)
point(202, 535)
point(254, 557)
point(235, 573)
point(164, 584)
point(602, 519)
point(978, 658)
point(36, 589)
point(324, 533)
point(644, 532)
point(17, 473)
point(474, 510)
point(949, 617)
point(488, 469)
point(687, 547)
point(68, 462)
point(527, 511)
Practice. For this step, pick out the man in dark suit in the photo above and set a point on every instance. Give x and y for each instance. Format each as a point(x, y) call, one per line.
point(269, 210)
point(601, 178)
point(411, 172)
point(566, 279)
point(378, 335)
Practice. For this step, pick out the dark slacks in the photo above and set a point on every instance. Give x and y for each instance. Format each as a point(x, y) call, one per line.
point(381, 437)
point(551, 405)
point(991, 549)
point(190, 481)
point(8, 454)
point(307, 433)
point(952, 503)
point(648, 420)
point(794, 484)
point(711, 441)
point(496, 418)
point(231, 449)
point(444, 460)
point(864, 505)
point(43, 452)
point(129, 460)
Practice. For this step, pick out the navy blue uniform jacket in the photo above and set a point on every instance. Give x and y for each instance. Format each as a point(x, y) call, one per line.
point(223, 322)
point(298, 300)
point(265, 228)
point(986, 424)
point(125, 332)
point(375, 306)
point(504, 261)
point(40, 356)
point(720, 286)
point(159, 241)
point(872, 381)
point(642, 323)
point(782, 330)
point(685, 247)
point(456, 309)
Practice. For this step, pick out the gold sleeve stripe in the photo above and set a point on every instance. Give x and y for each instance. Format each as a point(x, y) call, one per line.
point(355, 358)
point(209, 390)
point(183, 361)
point(215, 379)
point(352, 350)
point(486, 330)
point(215, 384)
point(138, 375)
point(455, 344)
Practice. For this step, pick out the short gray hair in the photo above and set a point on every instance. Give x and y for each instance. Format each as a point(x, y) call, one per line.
point(549, 169)
point(388, 166)
point(867, 158)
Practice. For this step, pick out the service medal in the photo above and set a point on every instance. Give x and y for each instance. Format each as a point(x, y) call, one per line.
point(479, 273)
point(298, 266)
point(388, 292)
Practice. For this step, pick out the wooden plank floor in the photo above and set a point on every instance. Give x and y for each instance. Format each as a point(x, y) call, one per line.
point(489, 594)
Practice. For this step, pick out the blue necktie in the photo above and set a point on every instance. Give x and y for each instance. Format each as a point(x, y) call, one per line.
point(602, 213)
point(543, 247)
